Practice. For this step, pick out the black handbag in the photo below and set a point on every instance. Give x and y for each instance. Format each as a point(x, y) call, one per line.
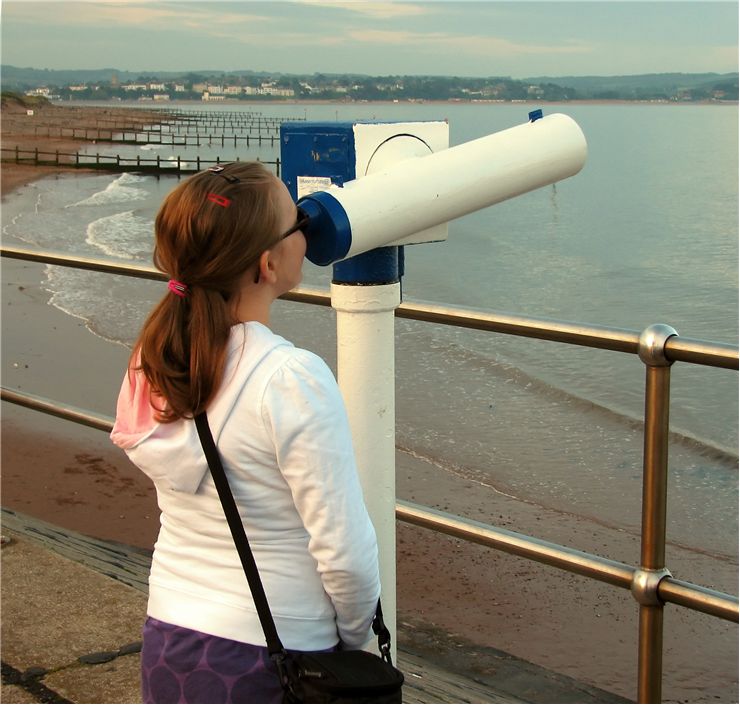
point(352, 676)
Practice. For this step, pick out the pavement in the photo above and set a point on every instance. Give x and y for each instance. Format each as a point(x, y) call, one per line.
point(71, 633)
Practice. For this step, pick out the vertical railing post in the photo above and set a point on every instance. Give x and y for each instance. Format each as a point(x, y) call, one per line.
point(654, 501)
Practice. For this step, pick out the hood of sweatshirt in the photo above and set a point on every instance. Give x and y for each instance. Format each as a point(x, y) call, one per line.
point(171, 453)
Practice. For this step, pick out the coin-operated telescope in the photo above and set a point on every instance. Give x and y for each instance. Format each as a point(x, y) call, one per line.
point(411, 185)
point(368, 189)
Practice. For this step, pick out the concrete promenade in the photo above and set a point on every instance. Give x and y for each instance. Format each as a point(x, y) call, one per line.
point(71, 632)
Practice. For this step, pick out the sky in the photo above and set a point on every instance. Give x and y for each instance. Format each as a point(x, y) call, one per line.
point(485, 38)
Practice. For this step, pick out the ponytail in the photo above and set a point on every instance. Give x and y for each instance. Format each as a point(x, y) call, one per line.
point(209, 231)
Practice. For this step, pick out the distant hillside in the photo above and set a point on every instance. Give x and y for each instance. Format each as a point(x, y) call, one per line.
point(9, 99)
point(106, 84)
point(14, 77)
point(643, 85)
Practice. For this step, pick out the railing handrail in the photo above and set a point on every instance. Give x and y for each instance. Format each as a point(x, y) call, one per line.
point(679, 349)
point(697, 351)
point(606, 570)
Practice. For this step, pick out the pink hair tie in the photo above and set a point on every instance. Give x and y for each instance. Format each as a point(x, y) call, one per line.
point(177, 288)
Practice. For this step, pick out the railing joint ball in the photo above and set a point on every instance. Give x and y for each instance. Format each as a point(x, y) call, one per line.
point(644, 587)
point(651, 348)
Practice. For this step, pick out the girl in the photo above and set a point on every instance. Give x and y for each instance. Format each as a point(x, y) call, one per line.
point(230, 239)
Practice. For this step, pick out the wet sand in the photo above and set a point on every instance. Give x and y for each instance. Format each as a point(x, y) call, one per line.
point(19, 129)
point(474, 597)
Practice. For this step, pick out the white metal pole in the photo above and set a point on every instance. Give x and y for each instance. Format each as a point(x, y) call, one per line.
point(366, 376)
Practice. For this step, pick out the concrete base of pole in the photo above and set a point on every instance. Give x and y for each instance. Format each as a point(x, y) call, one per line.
point(366, 376)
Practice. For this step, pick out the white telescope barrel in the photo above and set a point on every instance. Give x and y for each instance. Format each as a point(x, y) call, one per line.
point(420, 192)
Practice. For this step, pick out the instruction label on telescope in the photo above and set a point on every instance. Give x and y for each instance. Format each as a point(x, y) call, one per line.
point(311, 184)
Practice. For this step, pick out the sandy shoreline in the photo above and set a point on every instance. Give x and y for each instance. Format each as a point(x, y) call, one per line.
point(75, 478)
point(19, 130)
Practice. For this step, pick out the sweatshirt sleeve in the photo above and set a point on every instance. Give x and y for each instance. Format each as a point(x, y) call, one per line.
point(304, 412)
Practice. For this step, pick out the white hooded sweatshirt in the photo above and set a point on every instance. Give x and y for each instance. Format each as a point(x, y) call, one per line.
point(281, 428)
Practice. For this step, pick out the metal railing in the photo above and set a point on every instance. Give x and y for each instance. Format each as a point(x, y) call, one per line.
point(650, 583)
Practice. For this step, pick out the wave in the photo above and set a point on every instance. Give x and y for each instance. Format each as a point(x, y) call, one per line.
point(122, 235)
point(705, 447)
point(174, 160)
point(108, 305)
point(118, 191)
point(459, 348)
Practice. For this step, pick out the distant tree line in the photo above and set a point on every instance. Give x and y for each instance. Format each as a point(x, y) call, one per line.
point(109, 84)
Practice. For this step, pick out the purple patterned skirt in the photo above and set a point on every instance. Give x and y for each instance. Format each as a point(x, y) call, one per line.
point(180, 665)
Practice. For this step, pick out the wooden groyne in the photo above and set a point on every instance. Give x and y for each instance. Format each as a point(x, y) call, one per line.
point(234, 118)
point(175, 128)
point(116, 163)
point(172, 128)
point(158, 135)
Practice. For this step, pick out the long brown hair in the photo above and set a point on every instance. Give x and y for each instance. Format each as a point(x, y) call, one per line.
point(209, 230)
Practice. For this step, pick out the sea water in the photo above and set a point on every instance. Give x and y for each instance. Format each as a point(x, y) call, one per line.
point(646, 233)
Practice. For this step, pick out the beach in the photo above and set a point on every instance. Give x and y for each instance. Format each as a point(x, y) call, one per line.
point(472, 598)
point(25, 131)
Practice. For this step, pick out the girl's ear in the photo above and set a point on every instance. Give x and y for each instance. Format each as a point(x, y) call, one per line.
point(267, 267)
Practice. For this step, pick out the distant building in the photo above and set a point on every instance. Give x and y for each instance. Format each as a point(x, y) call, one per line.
point(44, 93)
point(270, 89)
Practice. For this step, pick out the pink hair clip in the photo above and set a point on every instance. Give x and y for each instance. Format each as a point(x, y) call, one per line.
point(219, 200)
point(177, 288)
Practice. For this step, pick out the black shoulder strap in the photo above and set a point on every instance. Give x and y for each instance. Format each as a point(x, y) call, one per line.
point(274, 645)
